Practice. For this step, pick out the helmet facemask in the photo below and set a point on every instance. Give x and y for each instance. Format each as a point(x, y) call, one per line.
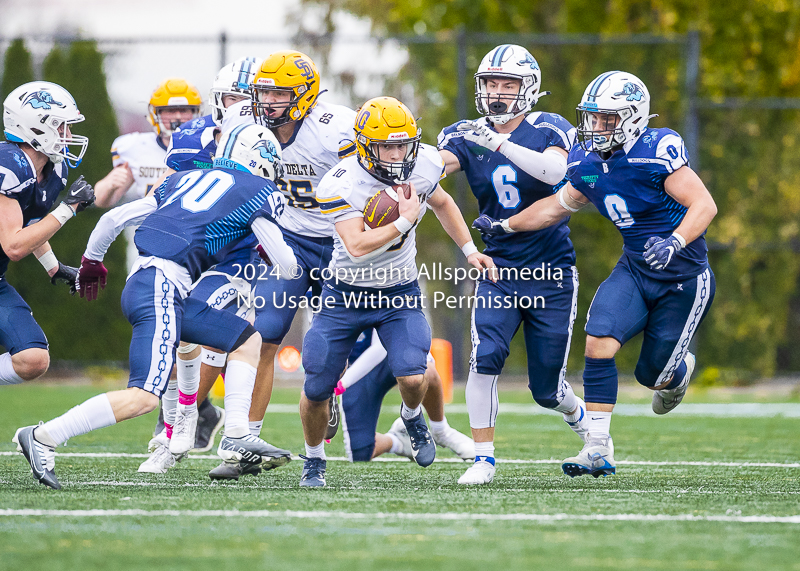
point(63, 145)
point(384, 170)
point(164, 128)
point(288, 110)
point(500, 108)
point(602, 130)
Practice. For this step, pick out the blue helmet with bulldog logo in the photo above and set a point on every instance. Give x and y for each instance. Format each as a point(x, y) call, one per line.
point(614, 109)
point(39, 113)
point(251, 148)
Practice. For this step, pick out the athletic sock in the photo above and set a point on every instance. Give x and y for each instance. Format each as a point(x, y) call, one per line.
point(189, 378)
point(408, 413)
point(255, 427)
point(484, 451)
point(439, 427)
point(397, 445)
point(169, 405)
point(599, 424)
point(568, 403)
point(8, 376)
point(239, 383)
point(317, 451)
point(93, 414)
point(482, 401)
point(600, 381)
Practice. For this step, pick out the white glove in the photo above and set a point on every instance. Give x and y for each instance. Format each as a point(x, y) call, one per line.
point(482, 135)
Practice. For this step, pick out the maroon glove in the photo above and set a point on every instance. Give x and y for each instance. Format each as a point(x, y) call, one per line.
point(91, 275)
point(263, 255)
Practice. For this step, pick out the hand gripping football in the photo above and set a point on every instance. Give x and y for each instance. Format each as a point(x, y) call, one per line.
point(383, 208)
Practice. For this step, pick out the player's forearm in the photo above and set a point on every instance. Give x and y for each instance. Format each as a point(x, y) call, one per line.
point(47, 258)
point(697, 219)
point(31, 238)
point(549, 167)
point(452, 221)
point(541, 214)
point(362, 243)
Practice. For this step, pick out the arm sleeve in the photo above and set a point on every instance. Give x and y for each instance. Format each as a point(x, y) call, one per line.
point(114, 221)
point(367, 361)
point(271, 239)
point(548, 167)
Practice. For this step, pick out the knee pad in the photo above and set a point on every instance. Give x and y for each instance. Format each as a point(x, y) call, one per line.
point(187, 348)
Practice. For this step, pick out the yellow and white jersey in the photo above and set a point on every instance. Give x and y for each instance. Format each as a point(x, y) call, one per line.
point(320, 141)
point(343, 194)
point(145, 155)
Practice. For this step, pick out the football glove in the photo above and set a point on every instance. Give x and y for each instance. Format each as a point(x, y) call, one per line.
point(482, 135)
point(66, 275)
point(91, 278)
point(80, 194)
point(658, 252)
point(488, 226)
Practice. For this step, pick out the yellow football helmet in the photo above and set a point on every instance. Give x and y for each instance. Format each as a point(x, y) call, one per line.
point(386, 121)
point(290, 72)
point(172, 93)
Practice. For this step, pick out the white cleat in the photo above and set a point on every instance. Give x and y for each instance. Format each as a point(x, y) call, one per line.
point(399, 430)
point(461, 444)
point(580, 426)
point(161, 459)
point(49, 453)
point(184, 431)
point(665, 401)
point(481, 472)
point(595, 459)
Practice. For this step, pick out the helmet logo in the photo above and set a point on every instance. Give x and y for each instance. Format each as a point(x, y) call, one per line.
point(401, 135)
point(632, 92)
point(529, 60)
point(267, 150)
point(41, 100)
point(362, 120)
point(305, 69)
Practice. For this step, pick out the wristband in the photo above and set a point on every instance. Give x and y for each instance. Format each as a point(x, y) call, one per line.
point(63, 213)
point(505, 224)
point(48, 260)
point(469, 248)
point(403, 225)
point(563, 202)
point(681, 240)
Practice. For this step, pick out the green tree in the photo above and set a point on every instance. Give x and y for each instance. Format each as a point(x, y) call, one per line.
point(17, 67)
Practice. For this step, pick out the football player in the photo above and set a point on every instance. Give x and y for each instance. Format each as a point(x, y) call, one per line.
point(138, 158)
point(186, 226)
point(34, 165)
point(512, 158)
point(640, 179)
point(363, 387)
point(375, 283)
point(314, 136)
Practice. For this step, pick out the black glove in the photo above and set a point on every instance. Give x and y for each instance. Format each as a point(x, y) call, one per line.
point(81, 194)
point(66, 275)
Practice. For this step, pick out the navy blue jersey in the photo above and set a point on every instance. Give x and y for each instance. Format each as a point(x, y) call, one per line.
point(628, 189)
point(18, 182)
point(204, 215)
point(193, 145)
point(503, 189)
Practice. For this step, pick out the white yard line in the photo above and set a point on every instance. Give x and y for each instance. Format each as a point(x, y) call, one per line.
point(448, 460)
point(426, 517)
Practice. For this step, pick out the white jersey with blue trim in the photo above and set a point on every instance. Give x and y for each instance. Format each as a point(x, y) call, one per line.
point(144, 153)
point(319, 142)
point(343, 194)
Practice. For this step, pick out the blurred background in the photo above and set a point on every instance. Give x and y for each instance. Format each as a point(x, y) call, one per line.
point(726, 76)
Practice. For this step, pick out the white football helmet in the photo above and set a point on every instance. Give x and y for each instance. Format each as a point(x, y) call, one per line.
point(513, 62)
point(233, 79)
point(38, 113)
point(252, 148)
point(614, 109)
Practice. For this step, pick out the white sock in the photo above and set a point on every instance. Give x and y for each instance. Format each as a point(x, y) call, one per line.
point(189, 375)
point(93, 414)
point(568, 403)
point(8, 376)
point(169, 403)
point(482, 401)
point(439, 427)
point(317, 451)
point(240, 378)
point(484, 449)
point(599, 423)
point(397, 446)
point(255, 427)
point(408, 413)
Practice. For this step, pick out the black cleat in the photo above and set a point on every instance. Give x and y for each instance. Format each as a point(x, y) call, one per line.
point(36, 454)
point(211, 419)
point(252, 450)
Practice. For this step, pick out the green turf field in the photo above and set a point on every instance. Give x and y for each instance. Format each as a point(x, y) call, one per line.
point(681, 512)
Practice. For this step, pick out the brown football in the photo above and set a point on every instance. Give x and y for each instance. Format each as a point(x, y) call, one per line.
point(383, 208)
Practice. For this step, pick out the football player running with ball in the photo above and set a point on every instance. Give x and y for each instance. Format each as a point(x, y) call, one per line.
point(640, 179)
point(513, 158)
point(355, 299)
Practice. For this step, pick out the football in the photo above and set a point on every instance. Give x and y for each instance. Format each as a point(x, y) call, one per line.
point(383, 208)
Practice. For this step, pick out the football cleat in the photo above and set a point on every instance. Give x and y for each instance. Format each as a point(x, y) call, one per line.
point(481, 472)
point(211, 419)
point(313, 472)
point(596, 459)
point(232, 470)
point(49, 453)
point(251, 449)
point(334, 417)
point(38, 455)
point(399, 430)
point(161, 459)
point(423, 448)
point(461, 444)
point(580, 426)
point(183, 433)
point(664, 401)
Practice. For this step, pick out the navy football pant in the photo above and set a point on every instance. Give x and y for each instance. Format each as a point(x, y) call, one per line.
point(18, 328)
